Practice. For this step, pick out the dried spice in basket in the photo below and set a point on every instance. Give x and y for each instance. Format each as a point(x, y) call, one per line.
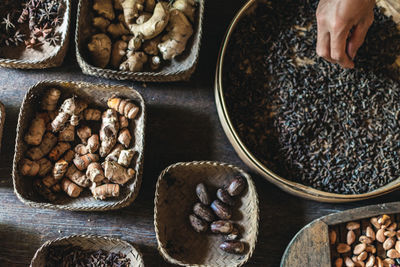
point(306, 119)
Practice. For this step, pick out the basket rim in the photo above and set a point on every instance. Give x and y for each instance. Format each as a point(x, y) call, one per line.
point(147, 76)
point(59, 51)
point(248, 157)
point(132, 194)
point(51, 242)
point(250, 182)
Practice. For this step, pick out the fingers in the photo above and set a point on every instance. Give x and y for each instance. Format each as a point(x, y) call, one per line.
point(357, 38)
point(338, 47)
point(324, 44)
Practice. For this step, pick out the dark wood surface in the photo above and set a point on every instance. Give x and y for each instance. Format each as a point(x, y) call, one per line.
point(182, 125)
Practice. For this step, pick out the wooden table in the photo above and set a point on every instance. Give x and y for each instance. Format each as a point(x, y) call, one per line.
point(182, 125)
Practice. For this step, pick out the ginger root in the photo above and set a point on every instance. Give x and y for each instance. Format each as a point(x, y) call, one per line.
point(118, 52)
point(145, 16)
point(124, 137)
point(100, 50)
point(70, 188)
point(188, 7)
point(70, 107)
point(67, 134)
point(95, 172)
point(101, 23)
point(29, 168)
point(59, 150)
point(84, 132)
point(155, 62)
point(36, 131)
point(123, 106)
point(125, 157)
point(155, 25)
point(149, 6)
point(92, 114)
point(150, 47)
point(60, 167)
point(44, 166)
point(50, 99)
point(117, 173)
point(114, 155)
point(106, 190)
point(104, 8)
point(77, 176)
point(131, 9)
point(117, 30)
point(117, 5)
point(38, 152)
point(134, 62)
point(179, 31)
point(82, 162)
point(108, 131)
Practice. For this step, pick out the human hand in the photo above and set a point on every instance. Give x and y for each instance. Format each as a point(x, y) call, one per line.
point(335, 19)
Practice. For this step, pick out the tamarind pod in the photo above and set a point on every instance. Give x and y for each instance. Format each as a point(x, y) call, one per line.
point(77, 176)
point(60, 167)
point(92, 114)
point(29, 168)
point(82, 162)
point(84, 133)
point(56, 188)
point(67, 134)
point(108, 131)
point(44, 191)
point(123, 107)
point(117, 173)
point(114, 154)
point(50, 99)
point(72, 190)
point(124, 137)
point(49, 181)
point(36, 131)
point(69, 155)
point(45, 166)
point(59, 150)
point(95, 172)
point(125, 157)
point(123, 122)
point(93, 143)
point(106, 190)
point(38, 152)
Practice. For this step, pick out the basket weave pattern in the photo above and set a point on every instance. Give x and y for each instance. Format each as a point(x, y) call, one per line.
point(175, 196)
point(55, 58)
point(96, 95)
point(179, 69)
point(90, 242)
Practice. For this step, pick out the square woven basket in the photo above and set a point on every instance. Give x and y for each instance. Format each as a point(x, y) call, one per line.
point(90, 242)
point(175, 196)
point(180, 68)
point(21, 58)
point(95, 95)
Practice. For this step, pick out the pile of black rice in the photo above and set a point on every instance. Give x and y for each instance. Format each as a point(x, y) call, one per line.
point(309, 120)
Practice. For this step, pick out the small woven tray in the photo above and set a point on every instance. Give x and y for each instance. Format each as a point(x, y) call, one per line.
point(94, 94)
point(49, 56)
point(175, 196)
point(180, 68)
point(90, 242)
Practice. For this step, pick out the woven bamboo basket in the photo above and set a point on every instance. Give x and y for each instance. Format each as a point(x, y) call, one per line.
point(392, 8)
point(90, 242)
point(94, 94)
point(2, 119)
point(47, 57)
point(175, 196)
point(179, 69)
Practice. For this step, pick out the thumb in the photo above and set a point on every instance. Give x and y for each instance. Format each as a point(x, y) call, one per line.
point(356, 39)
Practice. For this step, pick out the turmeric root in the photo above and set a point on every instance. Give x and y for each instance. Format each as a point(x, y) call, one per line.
point(123, 107)
point(134, 62)
point(117, 30)
point(38, 152)
point(77, 176)
point(104, 8)
point(70, 188)
point(116, 173)
point(106, 190)
point(36, 131)
point(188, 7)
point(50, 99)
point(113, 156)
point(82, 162)
point(59, 150)
point(92, 146)
point(101, 23)
point(44, 191)
point(125, 157)
point(179, 31)
point(70, 106)
point(150, 46)
point(68, 156)
point(56, 188)
point(155, 25)
point(95, 172)
point(131, 9)
point(75, 118)
point(49, 181)
point(124, 137)
point(118, 52)
point(108, 131)
point(84, 132)
point(92, 114)
point(100, 50)
point(123, 122)
point(60, 167)
point(29, 168)
point(45, 166)
point(67, 134)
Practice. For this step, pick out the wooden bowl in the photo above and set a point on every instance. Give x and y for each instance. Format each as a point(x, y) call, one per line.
point(90, 242)
point(310, 246)
point(175, 196)
point(49, 56)
point(94, 94)
point(180, 68)
point(248, 157)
